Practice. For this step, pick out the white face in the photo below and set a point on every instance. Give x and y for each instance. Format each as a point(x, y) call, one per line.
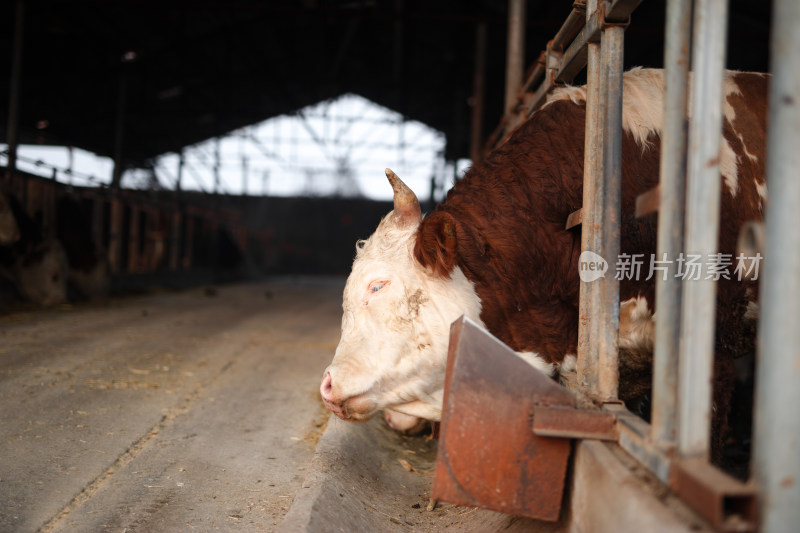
point(395, 330)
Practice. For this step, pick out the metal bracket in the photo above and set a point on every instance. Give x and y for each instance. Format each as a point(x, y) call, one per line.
point(574, 423)
point(728, 504)
point(488, 456)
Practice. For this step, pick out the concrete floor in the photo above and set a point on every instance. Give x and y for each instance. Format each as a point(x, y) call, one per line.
point(200, 411)
point(166, 412)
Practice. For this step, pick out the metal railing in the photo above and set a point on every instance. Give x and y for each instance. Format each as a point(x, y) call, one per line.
point(777, 417)
point(140, 233)
point(676, 446)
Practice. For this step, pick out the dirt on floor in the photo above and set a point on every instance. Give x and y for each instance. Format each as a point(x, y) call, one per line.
point(367, 477)
point(199, 411)
point(171, 411)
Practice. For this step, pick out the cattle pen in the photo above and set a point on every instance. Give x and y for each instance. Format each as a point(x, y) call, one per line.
point(675, 446)
point(185, 397)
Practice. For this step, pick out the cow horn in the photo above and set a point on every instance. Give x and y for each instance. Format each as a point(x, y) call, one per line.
point(406, 205)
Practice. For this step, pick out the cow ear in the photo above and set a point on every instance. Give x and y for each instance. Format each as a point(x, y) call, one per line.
point(435, 248)
point(406, 206)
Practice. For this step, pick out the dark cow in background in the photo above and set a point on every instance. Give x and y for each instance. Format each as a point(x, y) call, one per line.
point(45, 270)
point(496, 250)
point(89, 271)
point(34, 265)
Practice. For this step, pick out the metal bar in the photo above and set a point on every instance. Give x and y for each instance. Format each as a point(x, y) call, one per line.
point(119, 129)
point(726, 503)
point(218, 164)
point(571, 423)
point(133, 240)
point(98, 222)
point(244, 175)
point(591, 212)
point(515, 58)
point(188, 248)
point(702, 228)
point(115, 235)
point(574, 219)
point(620, 10)
point(535, 74)
point(534, 101)
point(777, 419)
point(478, 86)
point(175, 240)
point(648, 202)
point(562, 67)
point(670, 220)
point(179, 178)
point(12, 129)
point(634, 438)
point(576, 55)
point(608, 318)
point(574, 58)
point(575, 21)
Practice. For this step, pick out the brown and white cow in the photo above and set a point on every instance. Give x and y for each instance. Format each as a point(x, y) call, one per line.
point(496, 251)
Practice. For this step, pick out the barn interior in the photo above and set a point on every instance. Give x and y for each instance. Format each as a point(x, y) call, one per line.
point(133, 81)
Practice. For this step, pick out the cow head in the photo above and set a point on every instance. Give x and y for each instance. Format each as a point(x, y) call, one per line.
point(396, 323)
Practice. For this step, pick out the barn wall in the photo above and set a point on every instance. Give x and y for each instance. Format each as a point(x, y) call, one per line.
point(301, 235)
point(186, 238)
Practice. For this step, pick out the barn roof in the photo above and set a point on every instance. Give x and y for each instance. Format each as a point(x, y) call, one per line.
point(189, 70)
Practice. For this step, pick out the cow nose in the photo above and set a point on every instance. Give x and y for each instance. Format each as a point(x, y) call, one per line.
point(326, 386)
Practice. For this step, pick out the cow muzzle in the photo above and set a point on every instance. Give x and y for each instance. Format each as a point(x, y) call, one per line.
point(354, 408)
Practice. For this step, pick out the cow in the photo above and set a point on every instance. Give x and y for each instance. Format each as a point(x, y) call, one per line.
point(497, 251)
point(34, 265)
point(89, 270)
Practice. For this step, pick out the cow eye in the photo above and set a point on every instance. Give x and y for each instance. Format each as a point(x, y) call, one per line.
point(375, 286)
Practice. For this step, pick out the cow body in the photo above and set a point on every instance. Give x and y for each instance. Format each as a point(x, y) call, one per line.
point(89, 271)
point(34, 265)
point(496, 250)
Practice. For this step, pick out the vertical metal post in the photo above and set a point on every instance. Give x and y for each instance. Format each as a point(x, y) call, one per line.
point(133, 240)
point(777, 418)
point(115, 235)
point(175, 241)
point(515, 55)
point(702, 227)
point(478, 85)
point(591, 211)
point(217, 163)
point(244, 175)
point(179, 180)
point(188, 240)
point(12, 129)
point(612, 40)
point(70, 162)
point(119, 132)
point(670, 221)
point(47, 190)
point(97, 222)
point(398, 48)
